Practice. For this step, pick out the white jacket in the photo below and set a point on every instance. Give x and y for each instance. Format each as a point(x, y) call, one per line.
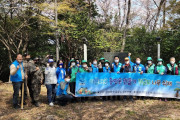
point(50, 75)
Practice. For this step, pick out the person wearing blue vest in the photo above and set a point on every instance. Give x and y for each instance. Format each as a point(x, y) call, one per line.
point(138, 67)
point(116, 65)
point(116, 68)
point(94, 66)
point(107, 68)
point(64, 94)
point(60, 72)
point(17, 76)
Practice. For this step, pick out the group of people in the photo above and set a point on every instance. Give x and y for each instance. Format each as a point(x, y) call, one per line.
point(60, 81)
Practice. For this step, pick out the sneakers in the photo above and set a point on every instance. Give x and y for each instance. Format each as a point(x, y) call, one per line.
point(51, 104)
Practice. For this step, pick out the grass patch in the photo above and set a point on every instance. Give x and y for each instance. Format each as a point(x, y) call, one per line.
point(165, 119)
point(131, 113)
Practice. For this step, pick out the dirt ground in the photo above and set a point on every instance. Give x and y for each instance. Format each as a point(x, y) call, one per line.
point(148, 109)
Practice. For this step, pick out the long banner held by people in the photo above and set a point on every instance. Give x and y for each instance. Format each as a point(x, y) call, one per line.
point(127, 84)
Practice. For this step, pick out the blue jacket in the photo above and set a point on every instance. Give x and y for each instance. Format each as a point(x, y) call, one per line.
point(106, 70)
point(61, 91)
point(139, 68)
point(60, 72)
point(116, 68)
point(18, 76)
point(94, 69)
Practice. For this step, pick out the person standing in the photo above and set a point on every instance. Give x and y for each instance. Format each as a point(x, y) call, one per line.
point(107, 67)
point(94, 66)
point(73, 71)
point(171, 67)
point(27, 62)
point(60, 72)
point(161, 69)
point(138, 67)
point(116, 66)
point(17, 76)
point(35, 82)
point(150, 66)
point(127, 67)
point(51, 82)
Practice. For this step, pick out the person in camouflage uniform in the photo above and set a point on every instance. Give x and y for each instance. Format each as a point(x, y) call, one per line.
point(35, 82)
point(26, 63)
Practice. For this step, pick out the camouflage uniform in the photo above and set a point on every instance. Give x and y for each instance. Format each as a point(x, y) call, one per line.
point(27, 65)
point(35, 82)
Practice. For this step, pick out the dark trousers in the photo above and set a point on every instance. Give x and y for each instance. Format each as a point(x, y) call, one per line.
point(63, 99)
point(25, 89)
point(72, 87)
point(51, 92)
point(16, 88)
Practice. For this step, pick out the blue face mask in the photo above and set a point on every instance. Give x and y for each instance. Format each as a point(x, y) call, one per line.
point(61, 64)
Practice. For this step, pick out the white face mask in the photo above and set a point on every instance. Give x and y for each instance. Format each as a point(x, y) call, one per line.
point(84, 66)
point(116, 61)
point(159, 63)
point(95, 62)
point(172, 62)
point(138, 62)
point(127, 62)
point(107, 65)
point(67, 80)
point(149, 62)
point(73, 64)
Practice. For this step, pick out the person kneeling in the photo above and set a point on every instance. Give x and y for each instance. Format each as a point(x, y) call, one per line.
point(65, 94)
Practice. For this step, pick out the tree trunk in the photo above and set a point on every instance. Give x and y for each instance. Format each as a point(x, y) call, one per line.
point(119, 10)
point(158, 13)
point(127, 24)
point(89, 14)
point(124, 17)
point(164, 13)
